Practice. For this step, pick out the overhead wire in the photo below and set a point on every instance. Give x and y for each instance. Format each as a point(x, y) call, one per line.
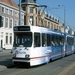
point(61, 19)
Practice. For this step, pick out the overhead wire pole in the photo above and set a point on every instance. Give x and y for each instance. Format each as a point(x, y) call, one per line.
point(64, 16)
point(19, 12)
point(42, 6)
point(64, 26)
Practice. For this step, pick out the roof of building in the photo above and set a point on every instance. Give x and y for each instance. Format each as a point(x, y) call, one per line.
point(10, 2)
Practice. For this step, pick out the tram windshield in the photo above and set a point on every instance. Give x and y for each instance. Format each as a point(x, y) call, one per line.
point(23, 39)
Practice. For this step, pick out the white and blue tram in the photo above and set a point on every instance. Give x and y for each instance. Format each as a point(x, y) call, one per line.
point(38, 45)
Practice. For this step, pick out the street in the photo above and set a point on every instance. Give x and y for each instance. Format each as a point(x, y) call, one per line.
point(63, 66)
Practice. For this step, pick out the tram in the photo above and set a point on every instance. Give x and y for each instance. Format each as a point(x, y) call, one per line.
point(38, 45)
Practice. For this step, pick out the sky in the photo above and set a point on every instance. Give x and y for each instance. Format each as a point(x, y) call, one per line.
point(59, 13)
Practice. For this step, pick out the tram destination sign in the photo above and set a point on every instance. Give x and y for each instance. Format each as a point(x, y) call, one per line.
point(22, 28)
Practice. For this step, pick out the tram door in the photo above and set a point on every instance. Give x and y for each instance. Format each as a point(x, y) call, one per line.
point(1, 43)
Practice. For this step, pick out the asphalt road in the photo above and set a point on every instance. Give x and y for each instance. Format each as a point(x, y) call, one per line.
point(63, 66)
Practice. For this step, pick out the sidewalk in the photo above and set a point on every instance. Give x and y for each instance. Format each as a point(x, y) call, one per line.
point(1, 50)
point(5, 51)
point(5, 60)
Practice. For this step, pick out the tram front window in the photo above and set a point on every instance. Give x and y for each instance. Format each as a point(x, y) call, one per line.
point(23, 39)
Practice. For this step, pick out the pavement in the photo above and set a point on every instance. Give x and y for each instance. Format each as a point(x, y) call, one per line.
point(5, 61)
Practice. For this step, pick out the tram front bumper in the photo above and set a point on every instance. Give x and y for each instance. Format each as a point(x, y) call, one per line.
point(20, 59)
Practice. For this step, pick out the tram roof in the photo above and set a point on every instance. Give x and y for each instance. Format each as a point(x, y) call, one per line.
point(37, 29)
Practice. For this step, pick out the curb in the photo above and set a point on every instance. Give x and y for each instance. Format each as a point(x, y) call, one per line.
point(2, 67)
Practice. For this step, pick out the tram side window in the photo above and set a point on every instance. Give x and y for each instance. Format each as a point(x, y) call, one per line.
point(70, 41)
point(61, 40)
point(48, 40)
point(56, 40)
point(44, 40)
point(37, 40)
point(53, 40)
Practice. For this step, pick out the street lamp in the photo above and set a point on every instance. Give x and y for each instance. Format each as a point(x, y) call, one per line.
point(64, 16)
point(64, 26)
point(19, 12)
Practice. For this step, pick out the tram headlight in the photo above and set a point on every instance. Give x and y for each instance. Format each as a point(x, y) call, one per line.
point(27, 56)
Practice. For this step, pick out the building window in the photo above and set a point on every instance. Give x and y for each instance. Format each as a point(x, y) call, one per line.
point(22, 23)
point(36, 21)
point(10, 12)
point(10, 38)
point(10, 25)
point(2, 21)
point(24, 8)
point(23, 0)
point(24, 20)
point(3, 9)
point(16, 22)
point(49, 24)
point(31, 20)
point(36, 10)
point(31, 9)
point(6, 11)
point(6, 23)
point(6, 38)
point(1, 34)
point(16, 14)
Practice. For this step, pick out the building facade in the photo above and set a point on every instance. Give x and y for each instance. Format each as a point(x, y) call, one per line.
point(30, 15)
point(10, 17)
point(36, 17)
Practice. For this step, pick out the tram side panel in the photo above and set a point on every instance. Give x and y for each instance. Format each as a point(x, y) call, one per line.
point(57, 46)
point(69, 45)
point(41, 49)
